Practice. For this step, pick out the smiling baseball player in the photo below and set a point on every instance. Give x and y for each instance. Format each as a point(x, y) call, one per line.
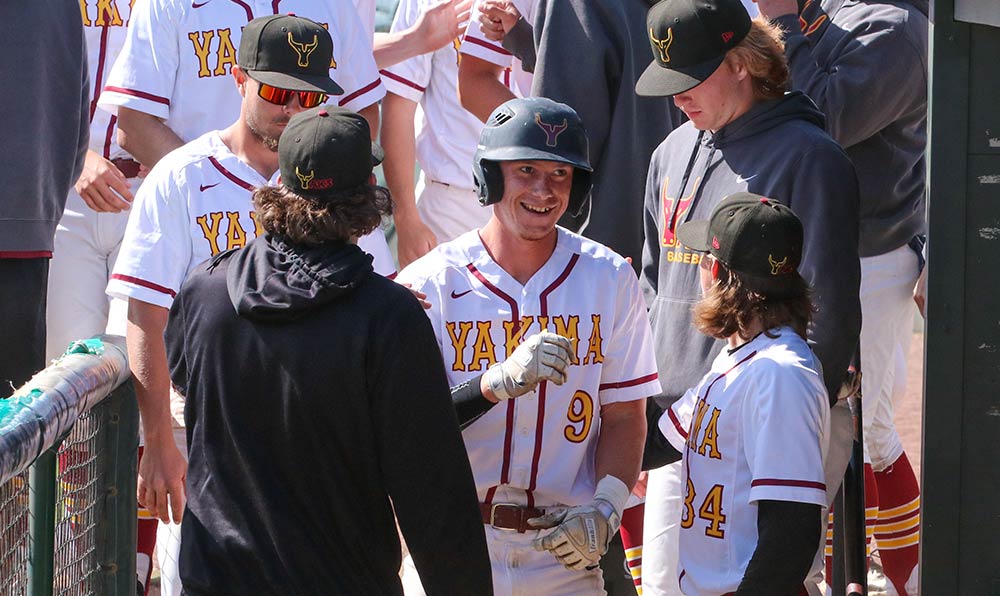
point(561, 456)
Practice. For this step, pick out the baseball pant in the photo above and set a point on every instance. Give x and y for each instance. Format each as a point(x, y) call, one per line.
point(661, 532)
point(86, 246)
point(22, 317)
point(449, 211)
point(887, 309)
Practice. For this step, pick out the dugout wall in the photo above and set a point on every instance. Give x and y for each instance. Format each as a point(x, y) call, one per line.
point(960, 532)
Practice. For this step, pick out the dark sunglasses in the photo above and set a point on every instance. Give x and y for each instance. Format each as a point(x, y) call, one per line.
point(278, 96)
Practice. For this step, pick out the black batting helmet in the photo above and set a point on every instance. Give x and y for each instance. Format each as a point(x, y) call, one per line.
point(532, 128)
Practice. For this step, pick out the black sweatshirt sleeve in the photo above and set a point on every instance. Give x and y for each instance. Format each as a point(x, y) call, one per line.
point(658, 451)
point(424, 465)
point(520, 41)
point(788, 535)
point(469, 402)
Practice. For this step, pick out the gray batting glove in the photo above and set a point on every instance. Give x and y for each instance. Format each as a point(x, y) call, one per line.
point(544, 356)
point(581, 535)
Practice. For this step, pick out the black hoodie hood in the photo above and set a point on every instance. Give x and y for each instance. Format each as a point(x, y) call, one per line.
point(271, 280)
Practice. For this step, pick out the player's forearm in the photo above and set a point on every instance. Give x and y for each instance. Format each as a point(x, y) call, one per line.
point(148, 362)
point(788, 535)
point(399, 143)
point(620, 444)
point(397, 46)
point(479, 88)
point(472, 399)
point(145, 137)
point(371, 114)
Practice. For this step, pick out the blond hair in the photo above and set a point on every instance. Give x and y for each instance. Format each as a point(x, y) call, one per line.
point(762, 53)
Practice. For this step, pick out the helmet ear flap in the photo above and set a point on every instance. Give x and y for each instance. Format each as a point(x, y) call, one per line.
point(579, 191)
point(490, 187)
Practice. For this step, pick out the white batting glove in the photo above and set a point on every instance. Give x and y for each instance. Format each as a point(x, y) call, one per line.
point(582, 533)
point(544, 356)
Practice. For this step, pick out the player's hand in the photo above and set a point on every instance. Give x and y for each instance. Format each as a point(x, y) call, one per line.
point(415, 239)
point(544, 356)
point(581, 537)
point(497, 17)
point(442, 24)
point(772, 9)
point(420, 296)
point(102, 186)
point(920, 293)
point(162, 472)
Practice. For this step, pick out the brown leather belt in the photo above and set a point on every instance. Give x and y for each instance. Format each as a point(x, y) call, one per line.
point(128, 167)
point(505, 516)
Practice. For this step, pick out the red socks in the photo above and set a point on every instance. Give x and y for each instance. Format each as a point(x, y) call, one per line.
point(898, 529)
point(631, 532)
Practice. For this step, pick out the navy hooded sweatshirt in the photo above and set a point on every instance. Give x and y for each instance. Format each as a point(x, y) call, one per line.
point(777, 149)
point(315, 393)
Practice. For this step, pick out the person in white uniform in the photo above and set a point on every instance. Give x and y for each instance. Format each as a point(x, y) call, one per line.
point(442, 205)
point(196, 203)
point(554, 462)
point(754, 433)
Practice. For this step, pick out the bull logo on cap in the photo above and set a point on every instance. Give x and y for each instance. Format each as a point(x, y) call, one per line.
point(303, 50)
point(552, 131)
point(662, 45)
point(778, 267)
point(305, 179)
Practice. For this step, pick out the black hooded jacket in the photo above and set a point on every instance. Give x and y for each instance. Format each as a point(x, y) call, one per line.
point(777, 149)
point(315, 394)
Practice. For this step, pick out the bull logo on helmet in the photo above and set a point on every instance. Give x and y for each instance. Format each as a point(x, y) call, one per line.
point(662, 45)
point(303, 50)
point(778, 267)
point(552, 131)
point(305, 179)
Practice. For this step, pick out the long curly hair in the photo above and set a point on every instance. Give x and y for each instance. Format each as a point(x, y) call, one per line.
point(341, 215)
point(736, 301)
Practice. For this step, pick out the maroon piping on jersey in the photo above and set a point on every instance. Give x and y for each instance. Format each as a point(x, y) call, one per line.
point(146, 284)
point(509, 431)
point(487, 45)
point(139, 94)
point(543, 300)
point(348, 98)
point(402, 80)
point(233, 177)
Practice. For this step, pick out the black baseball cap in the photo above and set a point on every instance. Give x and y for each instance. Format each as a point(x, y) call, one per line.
point(288, 52)
point(325, 149)
point(750, 234)
point(689, 39)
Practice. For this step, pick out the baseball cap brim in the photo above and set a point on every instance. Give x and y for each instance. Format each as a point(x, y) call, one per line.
point(377, 154)
point(694, 235)
point(297, 82)
point(657, 81)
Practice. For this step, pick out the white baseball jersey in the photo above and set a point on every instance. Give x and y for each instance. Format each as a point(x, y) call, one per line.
point(178, 55)
point(447, 141)
point(193, 205)
point(539, 449)
point(105, 24)
point(476, 44)
point(756, 427)
point(366, 12)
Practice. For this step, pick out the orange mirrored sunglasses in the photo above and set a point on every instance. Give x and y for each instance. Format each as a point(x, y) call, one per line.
point(278, 96)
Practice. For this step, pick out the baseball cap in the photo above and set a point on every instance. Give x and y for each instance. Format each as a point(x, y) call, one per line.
point(750, 234)
point(325, 149)
point(689, 39)
point(288, 52)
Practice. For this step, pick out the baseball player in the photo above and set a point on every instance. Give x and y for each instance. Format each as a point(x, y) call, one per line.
point(745, 133)
point(175, 45)
point(90, 232)
point(837, 53)
point(754, 432)
point(554, 465)
point(195, 204)
point(446, 206)
point(491, 74)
